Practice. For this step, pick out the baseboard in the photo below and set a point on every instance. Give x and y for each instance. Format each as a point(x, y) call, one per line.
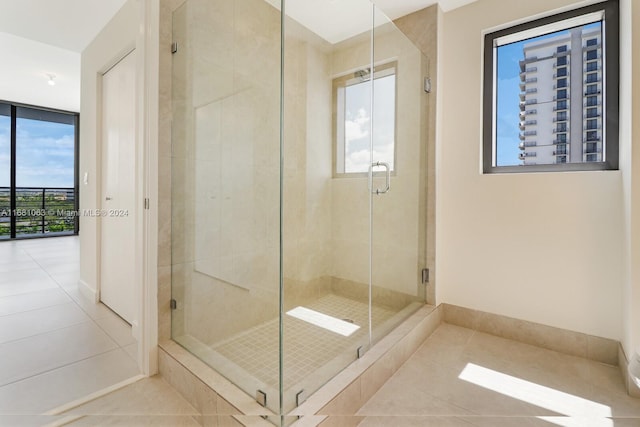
point(603, 350)
point(88, 292)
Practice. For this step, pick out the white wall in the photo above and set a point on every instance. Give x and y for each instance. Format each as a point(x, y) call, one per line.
point(543, 247)
point(113, 42)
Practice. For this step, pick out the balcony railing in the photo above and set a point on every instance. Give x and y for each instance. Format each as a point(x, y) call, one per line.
point(38, 211)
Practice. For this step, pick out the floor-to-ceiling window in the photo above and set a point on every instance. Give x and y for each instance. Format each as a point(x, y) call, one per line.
point(38, 172)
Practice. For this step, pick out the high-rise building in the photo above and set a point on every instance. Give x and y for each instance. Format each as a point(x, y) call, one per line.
point(561, 99)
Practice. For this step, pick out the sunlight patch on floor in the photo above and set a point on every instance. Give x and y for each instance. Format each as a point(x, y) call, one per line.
point(578, 421)
point(539, 395)
point(322, 320)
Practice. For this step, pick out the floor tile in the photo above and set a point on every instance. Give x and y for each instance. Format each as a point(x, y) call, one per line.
point(28, 420)
point(34, 322)
point(66, 279)
point(136, 420)
point(34, 355)
point(117, 329)
point(33, 301)
point(414, 421)
point(93, 310)
point(132, 350)
point(22, 286)
point(149, 396)
point(44, 392)
point(7, 266)
point(499, 383)
point(10, 277)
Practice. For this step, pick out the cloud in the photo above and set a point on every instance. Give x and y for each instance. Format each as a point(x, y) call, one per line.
point(44, 154)
point(358, 126)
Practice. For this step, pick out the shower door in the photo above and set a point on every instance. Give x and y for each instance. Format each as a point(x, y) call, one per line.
point(399, 189)
point(326, 204)
point(353, 187)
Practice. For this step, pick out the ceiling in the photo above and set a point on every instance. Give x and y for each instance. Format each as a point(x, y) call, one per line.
point(337, 20)
point(67, 24)
point(43, 37)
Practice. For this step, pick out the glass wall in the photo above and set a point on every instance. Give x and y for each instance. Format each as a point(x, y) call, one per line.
point(38, 182)
point(298, 189)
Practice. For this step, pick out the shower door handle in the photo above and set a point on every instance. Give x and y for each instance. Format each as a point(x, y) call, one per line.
point(388, 177)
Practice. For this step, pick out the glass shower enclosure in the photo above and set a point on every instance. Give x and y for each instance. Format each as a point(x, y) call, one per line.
point(298, 188)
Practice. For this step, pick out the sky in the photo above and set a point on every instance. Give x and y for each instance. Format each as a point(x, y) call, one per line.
point(358, 119)
point(508, 109)
point(44, 153)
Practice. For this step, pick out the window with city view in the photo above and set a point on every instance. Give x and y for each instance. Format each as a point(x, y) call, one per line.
point(38, 191)
point(547, 104)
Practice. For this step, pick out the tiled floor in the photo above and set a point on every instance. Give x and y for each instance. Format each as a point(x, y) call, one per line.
point(150, 401)
point(457, 378)
point(55, 346)
point(462, 378)
point(308, 347)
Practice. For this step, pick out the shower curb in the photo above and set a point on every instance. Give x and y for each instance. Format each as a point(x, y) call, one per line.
point(339, 399)
point(198, 383)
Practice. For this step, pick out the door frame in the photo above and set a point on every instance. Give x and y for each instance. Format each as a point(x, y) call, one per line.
point(145, 327)
point(148, 46)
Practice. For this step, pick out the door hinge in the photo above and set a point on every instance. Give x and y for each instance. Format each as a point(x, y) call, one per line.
point(427, 84)
point(173, 304)
point(146, 203)
point(174, 47)
point(425, 275)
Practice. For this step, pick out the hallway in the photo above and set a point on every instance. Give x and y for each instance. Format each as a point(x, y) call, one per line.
point(55, 345)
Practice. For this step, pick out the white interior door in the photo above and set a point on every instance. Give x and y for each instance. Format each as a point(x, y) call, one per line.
point(117, 271)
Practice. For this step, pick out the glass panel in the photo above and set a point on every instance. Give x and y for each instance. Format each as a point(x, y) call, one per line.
point(356, 118)
point(5, 171)
point(560, 65)
point(327, 82)
point(225, 189)
point(45, 172)
point(399, 219)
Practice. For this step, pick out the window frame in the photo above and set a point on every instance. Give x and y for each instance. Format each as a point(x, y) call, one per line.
point(609, 80)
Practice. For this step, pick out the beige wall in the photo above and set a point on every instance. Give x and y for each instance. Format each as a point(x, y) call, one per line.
point(113, 42)
point(307, 162)
point(541, 247)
